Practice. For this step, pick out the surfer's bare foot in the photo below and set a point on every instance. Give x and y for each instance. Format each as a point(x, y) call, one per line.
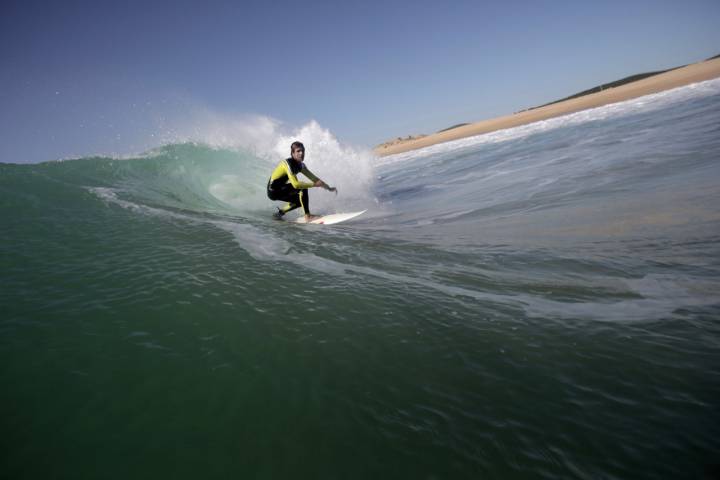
point(310, 218)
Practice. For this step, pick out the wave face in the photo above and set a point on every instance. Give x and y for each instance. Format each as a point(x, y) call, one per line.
point(539, 302)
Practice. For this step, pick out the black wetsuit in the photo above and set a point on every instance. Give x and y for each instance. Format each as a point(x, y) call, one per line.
point(285, 186)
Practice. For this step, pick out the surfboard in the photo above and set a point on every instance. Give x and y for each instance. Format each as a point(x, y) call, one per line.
point(330, 219)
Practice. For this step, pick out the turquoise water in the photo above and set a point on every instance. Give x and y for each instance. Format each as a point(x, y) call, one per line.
point(540, 302)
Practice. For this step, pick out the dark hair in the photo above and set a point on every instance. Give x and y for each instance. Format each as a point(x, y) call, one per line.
point(296, 145)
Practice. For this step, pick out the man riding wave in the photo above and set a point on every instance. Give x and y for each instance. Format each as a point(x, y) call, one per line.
point(284, 184)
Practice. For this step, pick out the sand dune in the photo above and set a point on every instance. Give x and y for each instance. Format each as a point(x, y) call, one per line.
point(693, 73)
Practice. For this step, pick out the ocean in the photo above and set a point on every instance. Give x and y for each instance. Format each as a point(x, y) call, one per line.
point(539, 302)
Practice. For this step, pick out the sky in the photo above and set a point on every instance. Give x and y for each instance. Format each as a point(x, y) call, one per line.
point(106, 77)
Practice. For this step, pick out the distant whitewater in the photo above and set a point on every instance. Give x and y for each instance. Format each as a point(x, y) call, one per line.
point(538, 302)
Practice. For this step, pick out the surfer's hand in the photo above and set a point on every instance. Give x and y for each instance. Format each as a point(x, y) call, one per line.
point(319, 183)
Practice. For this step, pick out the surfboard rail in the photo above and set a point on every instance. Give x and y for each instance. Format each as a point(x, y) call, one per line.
point(331, 218)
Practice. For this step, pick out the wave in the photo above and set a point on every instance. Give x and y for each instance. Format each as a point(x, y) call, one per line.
point(643, 167)
point(217, 176)
point(574, 214)
point(538, 175)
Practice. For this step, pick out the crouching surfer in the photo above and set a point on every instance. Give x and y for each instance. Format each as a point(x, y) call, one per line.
point(285, 186)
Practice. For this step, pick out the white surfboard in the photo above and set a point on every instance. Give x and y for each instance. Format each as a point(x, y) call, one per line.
point(330, 219)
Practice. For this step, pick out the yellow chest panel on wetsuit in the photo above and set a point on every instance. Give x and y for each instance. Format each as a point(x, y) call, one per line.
point(283, 173)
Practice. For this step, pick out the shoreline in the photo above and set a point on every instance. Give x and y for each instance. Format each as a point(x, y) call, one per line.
point(693, 73)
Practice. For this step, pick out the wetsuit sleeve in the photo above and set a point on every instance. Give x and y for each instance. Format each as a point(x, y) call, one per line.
point(294, 180)
point(306, 171)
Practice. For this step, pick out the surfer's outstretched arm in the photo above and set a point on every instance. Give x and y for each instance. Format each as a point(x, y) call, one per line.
point(316, 181)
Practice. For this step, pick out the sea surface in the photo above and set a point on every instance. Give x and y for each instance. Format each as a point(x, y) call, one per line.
point(539, 302)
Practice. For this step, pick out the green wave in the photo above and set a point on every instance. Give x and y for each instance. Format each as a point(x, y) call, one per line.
point(180, 176)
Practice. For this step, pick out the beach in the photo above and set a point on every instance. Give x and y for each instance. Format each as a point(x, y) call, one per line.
point(696, 72)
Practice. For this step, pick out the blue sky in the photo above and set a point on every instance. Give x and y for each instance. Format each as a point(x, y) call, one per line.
point(78, 78)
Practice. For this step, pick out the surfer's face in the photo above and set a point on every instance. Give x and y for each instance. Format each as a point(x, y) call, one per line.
point(298, 154)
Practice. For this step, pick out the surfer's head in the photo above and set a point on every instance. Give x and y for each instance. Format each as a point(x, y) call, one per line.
point(297, 150)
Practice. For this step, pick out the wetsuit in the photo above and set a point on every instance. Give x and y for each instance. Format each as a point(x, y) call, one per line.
point(284, 185)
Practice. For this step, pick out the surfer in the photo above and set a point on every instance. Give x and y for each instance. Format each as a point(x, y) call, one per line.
point(284, 184)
